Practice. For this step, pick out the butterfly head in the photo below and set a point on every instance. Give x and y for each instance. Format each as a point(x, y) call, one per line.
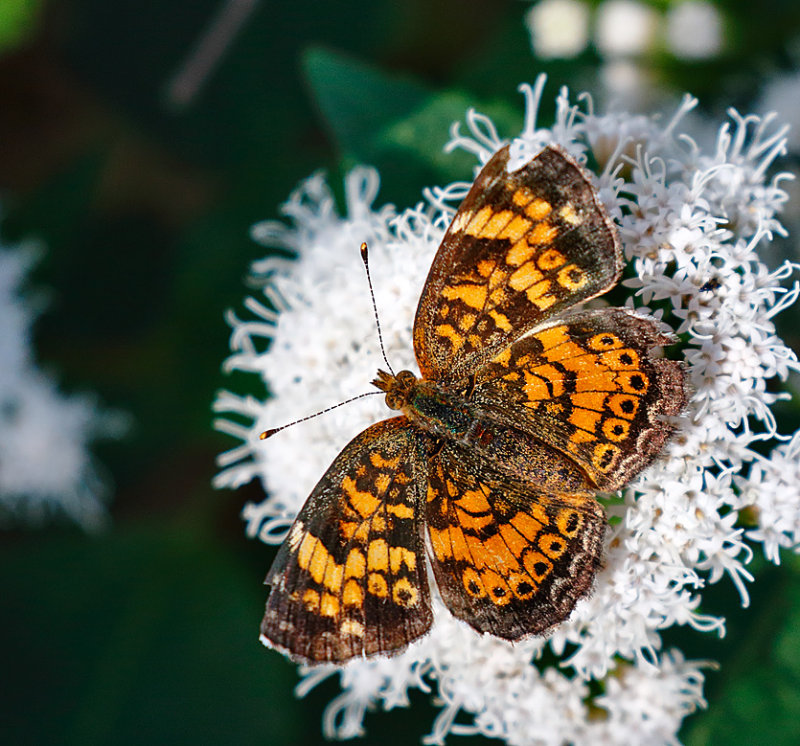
point(398, 388)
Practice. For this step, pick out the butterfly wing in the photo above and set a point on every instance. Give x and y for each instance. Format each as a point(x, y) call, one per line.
point(350, 579)
point(592, 388)
point(522, 247)
point(508, 560)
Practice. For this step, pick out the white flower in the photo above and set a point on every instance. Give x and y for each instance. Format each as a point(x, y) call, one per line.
point(782, 95)
point(558, 28)
point(694, 30)
point(45, 465)
point(625, 27)
point(694, 224)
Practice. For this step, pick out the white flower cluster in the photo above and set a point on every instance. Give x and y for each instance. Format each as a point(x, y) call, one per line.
point(45, 465)
point(692, 225)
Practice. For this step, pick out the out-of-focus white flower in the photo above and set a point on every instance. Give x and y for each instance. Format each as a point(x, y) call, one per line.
point(558, 28)
point(694, 223)
point(694, 30)
point(782, 95)
point(625, 28)
point(46, 468)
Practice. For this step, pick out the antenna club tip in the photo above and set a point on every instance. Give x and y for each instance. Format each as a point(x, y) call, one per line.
point(363, 250)
point(268, 433)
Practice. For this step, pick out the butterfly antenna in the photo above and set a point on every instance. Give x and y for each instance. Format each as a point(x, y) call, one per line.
point(269, 433)
point(365, 259)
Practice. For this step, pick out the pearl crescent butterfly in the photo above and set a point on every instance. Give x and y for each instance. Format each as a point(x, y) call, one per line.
point(524, 410)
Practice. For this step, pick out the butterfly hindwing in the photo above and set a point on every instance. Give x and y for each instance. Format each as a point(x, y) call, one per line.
point(508, 560)
point(591, 387)
point(522, 247)
point(350, 579)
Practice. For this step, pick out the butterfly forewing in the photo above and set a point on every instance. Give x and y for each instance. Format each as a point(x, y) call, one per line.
point(522, 247)
point(350, 579)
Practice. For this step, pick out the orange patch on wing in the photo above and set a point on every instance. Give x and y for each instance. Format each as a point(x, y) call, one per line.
point(537, 565)
point(553, 336)
point(355, 565)
point(633, 383)
point(376, 585)
point(474, 501)
point(625, 359)
point(329, 605)
point(516, 229)
point(353, 594)
point(526, 524)
point(616, 429)
point(623, 406)
point(522, 196)
point(543, 233)
point(537, 294)
point(496, 223)
point(472, 295)
point(550, 259)
point(550, 374)
point(538, 209)
point(525, 276)
point(474, 522)
point(458, 544)
point(449, 333)
point(585, 419)
point(399, 556)
point(404, 593)
point(514, 539)
point(501, 320)
point(572, 277)
point(590, 400)
point(552, 545)
point(400, 510)
point(520, 253)
point(497, 588)
point(440, 543)
point(599, 380)
point(604, 341)
point(473, 583)
point(378, 555)
point(478, 221)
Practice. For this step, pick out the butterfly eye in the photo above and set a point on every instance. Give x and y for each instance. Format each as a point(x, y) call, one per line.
point(406, 377)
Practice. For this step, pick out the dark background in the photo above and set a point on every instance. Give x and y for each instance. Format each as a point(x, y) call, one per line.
point(147, 633)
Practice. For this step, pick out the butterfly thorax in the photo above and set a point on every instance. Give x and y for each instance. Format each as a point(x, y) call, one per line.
point(448, 413)
point(439, 411)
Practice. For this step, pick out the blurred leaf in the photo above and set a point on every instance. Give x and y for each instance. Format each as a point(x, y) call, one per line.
point(142, 636)
point(395, 123)
point(358, 101)
point(758, 699)
point(17, 22)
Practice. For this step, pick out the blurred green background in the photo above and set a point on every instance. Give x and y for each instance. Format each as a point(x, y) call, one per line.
point(143, 198)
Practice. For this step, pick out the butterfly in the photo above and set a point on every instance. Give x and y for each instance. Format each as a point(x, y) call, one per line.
point(483, 487)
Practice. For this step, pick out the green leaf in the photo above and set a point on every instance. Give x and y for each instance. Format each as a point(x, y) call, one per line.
point(17, 22)
point(356, 100)
point(395, 123)
point(758, 699)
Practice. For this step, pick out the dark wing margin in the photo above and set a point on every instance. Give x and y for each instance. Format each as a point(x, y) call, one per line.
point(522, 247)
point(350, 580)
point(509, 561)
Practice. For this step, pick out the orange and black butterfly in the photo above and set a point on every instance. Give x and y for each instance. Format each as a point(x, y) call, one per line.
point(489, 474)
